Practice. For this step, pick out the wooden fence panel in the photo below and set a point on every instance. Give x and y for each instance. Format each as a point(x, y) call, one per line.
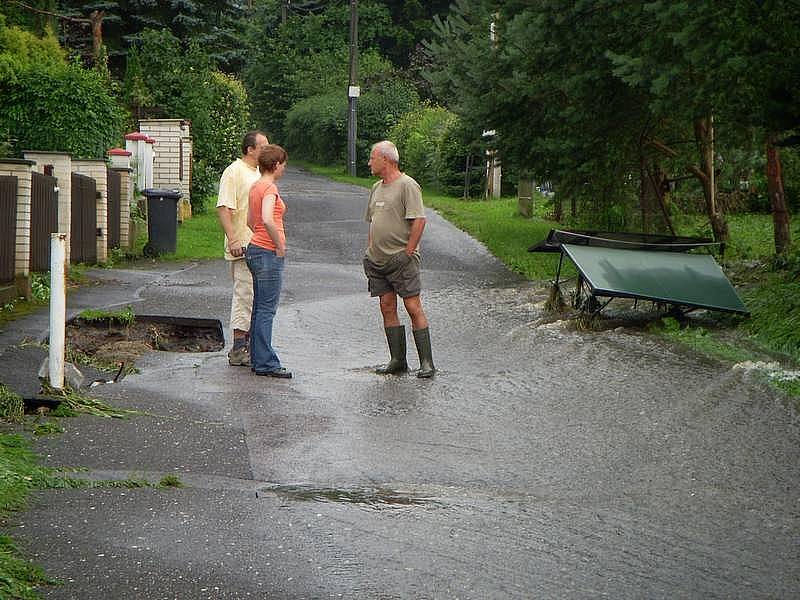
point(44, 219)
point(8, 226)
point(83, 231)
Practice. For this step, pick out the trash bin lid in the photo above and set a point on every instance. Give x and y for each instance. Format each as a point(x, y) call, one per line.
point(161, 193)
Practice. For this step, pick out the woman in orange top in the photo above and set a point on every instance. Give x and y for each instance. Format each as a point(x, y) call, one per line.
point(265, 256)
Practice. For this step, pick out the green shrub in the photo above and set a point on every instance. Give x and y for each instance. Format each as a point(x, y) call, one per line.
point(219, 111)
point(433, 149)
point(20, 49)
point(380, 108)
point(316, 127)
point(164, 79)
point(60, 108)
point(418, 136)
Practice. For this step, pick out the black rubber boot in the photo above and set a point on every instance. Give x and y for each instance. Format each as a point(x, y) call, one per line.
point(422, 338)
point(396, 336)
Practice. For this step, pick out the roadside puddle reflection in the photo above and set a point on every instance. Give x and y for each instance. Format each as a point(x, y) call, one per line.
point(370, 498)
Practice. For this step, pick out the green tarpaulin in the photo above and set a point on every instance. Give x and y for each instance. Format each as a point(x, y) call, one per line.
point(694, 280)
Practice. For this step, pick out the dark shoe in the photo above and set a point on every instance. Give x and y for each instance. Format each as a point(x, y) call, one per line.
point(396, 337)
point(422, 338)
point(281, 373)
point(239, 357)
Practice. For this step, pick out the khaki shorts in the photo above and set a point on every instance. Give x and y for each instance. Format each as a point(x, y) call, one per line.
point(401, 275)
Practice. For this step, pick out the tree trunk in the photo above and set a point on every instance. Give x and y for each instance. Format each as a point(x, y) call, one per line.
point(704, 136)
point(643, 184)
point(96, 20)
point(558, 208)
point(777, 197)
point(658, 180)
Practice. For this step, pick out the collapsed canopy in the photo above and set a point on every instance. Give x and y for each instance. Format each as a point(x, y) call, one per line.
point(694, 280)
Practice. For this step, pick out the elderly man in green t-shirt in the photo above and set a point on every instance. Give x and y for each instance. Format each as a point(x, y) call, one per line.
point(396, 218)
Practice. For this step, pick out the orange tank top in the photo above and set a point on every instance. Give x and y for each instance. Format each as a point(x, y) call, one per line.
point(261, 236)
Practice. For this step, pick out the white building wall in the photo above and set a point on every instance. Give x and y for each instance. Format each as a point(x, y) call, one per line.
point(172, 153)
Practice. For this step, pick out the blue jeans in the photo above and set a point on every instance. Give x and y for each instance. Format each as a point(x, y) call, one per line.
point(267, 270)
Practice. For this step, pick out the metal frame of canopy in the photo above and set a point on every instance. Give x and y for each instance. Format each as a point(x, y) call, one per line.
point(643, 267)
point(620, 239)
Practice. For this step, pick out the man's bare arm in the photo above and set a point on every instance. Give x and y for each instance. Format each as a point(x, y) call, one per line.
point(417, 227)
point(226, 220)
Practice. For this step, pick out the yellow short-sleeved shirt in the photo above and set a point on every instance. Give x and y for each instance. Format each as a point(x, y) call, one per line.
point(234, 190)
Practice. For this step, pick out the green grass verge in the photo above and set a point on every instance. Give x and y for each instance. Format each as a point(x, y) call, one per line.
point(197, 237)
point(751, 235)
point(123, 316)
point(503, 231)
point(19, 473)
point(200, 237)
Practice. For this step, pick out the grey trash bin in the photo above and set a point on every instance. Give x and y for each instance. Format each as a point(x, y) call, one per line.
point(162, 221)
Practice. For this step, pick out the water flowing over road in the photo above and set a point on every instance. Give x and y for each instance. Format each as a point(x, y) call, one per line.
point(540, 462)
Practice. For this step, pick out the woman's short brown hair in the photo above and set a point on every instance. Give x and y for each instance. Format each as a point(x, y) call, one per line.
point(270, 156)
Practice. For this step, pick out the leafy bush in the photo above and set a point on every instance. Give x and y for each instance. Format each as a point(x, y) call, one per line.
point(433, 149)
point(60, 108)
point(20, 49)
point(164, 79)
point(316, 127)
point(307, 55)
point(49, 104)
point(380, 108)
point(219, 112)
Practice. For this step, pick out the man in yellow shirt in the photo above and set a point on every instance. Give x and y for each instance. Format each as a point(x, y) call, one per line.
point(234, 188)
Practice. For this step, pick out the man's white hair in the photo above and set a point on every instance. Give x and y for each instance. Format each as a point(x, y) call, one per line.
point(388, 150)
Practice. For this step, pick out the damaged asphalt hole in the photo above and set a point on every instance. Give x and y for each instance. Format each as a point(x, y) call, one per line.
point(103, 346)
point(372, 498)
point(123, 338)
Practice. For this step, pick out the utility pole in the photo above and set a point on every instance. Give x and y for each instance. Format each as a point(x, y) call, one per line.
point(353, 91)
point(284, 10)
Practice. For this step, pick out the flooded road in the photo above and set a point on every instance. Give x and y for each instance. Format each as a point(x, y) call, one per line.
point(540, 462)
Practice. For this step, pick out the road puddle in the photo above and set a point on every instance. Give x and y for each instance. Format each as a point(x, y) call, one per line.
point(370, 498)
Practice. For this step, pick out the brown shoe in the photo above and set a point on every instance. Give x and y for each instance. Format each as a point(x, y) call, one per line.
point(239, 357)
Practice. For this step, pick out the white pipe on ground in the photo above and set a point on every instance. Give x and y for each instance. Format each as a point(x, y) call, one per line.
point(58, 308)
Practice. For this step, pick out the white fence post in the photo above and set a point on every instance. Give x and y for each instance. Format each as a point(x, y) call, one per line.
point(58, 308)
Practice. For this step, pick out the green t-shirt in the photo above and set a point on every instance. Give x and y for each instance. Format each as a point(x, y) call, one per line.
point(390, 211)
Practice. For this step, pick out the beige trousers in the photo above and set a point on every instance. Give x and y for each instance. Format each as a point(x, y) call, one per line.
point(242, 300)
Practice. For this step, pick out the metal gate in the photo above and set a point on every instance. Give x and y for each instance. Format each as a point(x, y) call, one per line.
point(83, 230)
point(44, 219)
point(8, 226)
point(114, 191)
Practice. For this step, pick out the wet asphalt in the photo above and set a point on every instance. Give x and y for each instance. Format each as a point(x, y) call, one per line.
point(540, 462)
